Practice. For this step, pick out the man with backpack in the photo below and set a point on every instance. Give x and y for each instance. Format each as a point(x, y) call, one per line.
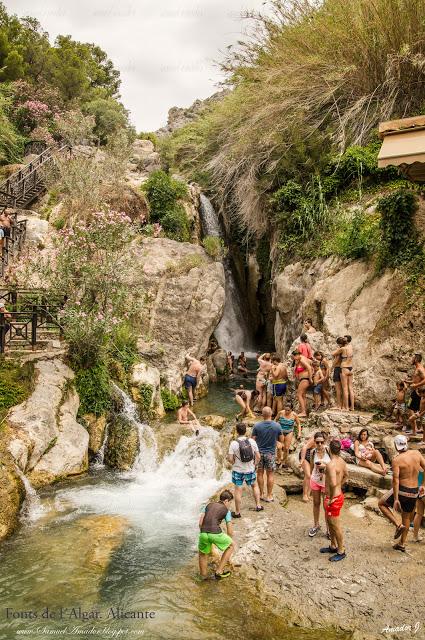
point(244, 456)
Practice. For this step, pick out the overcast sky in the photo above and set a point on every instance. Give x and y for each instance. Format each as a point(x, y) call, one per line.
point(164, 49)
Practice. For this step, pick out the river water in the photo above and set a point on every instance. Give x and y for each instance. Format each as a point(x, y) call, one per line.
point(128, 541)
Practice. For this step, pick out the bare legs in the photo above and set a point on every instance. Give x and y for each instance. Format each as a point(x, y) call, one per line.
point(420, 508)
point(204, 557)
point(338, 393)
point(301, 397)
point(347, 389)
point(190, 394)
point(238, 496)
point(379, 468)
point(270, 482)
point(286, 446)
point(306, 482)
point(337, 537)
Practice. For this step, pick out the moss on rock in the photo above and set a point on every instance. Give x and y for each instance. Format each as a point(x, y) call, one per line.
point(123, 444)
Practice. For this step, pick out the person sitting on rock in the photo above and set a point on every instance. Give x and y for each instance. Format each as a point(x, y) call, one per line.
point(183, 417)
point(192, 376)
point(308, 326)
point(242, 364)
point(366, 454)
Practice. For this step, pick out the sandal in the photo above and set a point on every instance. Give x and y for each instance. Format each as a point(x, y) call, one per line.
point(313, 531)
point(399, 547)
point(236, 515)
point(260, 508)
point(399, 531)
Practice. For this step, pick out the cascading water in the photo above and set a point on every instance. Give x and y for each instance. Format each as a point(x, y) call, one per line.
point(99, 462)
point(32, 508)
point(233, 332)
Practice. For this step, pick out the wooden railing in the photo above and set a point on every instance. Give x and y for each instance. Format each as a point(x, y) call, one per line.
point(13, 243)
point(28, 314)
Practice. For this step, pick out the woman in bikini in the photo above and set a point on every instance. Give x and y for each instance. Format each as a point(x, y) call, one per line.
point(325, 367)
point(265, 364)
point(319, 458)
point(366, 454)
point(287, 420)
point(336, 356)
point(346, 357)
point(303, 372)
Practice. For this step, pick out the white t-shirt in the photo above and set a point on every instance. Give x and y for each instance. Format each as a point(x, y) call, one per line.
point(238, 465)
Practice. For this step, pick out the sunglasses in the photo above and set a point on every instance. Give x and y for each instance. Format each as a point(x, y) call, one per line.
point(319, 441)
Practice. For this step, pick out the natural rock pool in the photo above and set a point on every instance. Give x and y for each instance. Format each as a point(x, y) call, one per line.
point(113, 555)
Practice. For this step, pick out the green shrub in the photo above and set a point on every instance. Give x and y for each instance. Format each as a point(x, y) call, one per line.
point(399, 244)
point(170, 401)
point(15, 384)
point(185, 264)
point(146, 394)
point(175, 224)
point(149, 135)
point(124, 347)
point(356, 237)
point(163, 191)
point(59, 224)
point(215, 247)
point(93, 387)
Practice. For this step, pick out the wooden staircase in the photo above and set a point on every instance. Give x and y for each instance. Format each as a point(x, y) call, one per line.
point(21, 189)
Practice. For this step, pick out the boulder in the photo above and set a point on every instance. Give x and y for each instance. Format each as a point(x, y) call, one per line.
point(219, 359)
point(212, 373)
point(290, 482)
point(46, 440)
point(12, 494)
point(96, 426)
point(216, 422)
point(37, 229)
point(123, 444)
point(146, 389)
point(184, 291)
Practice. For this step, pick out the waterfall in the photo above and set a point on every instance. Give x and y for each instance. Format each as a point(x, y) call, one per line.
point(148, 448)
point(233, 332)
point(32, 509)
point(100, 455)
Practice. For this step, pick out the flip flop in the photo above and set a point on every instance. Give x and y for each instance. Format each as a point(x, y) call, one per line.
point(262, 509)
point(399, 547)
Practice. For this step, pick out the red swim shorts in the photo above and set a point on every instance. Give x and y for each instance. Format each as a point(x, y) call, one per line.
point(333, 510)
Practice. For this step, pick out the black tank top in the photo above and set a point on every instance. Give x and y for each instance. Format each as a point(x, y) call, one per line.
point(215, 512)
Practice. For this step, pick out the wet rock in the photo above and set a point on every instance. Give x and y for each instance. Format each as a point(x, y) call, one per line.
point(96, 429)
point(214, 421)
point(219, 359)
point(123, 444)
point(12, 494)
point(104, 535)
point(146, 389)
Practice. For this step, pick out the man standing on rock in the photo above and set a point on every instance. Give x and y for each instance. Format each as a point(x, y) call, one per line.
point(244, 455)
point(335, 477)
point(192, 376)
point(405, 490)
point(417, 382)
point(266, 434)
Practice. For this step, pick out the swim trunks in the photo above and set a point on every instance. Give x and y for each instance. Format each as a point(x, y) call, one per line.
point(415, 401)
point(238, 478)
point(334, 509)
point(278, 389)
point(189, 381)
point(337, 374)
point(267, 461)
point(317, 389)
point(407, 497)
point(206, 540)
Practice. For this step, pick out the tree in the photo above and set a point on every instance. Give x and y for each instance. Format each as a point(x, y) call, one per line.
point(110, 117)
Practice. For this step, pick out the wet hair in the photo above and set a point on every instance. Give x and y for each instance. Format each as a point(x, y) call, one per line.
point(348, 338)
point(341, 341)
point(319, 434)
point(362, 431)
point(309, 320)
point(318, 353)
point(185, 403)
point(226, 495)
point(335, 446)
point(304, 337)
point(241, 428)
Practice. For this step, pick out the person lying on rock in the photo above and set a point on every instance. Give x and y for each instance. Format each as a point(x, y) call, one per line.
point(211, 534)
point(192, 376)
point(183, 417)
point(366, 454)
point(405, 490)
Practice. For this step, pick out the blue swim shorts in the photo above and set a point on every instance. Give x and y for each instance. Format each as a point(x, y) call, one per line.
point(239, 478)
point(279, 390)
point(189, 381)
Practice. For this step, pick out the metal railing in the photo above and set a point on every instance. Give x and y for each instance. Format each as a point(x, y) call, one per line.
point(28, 313)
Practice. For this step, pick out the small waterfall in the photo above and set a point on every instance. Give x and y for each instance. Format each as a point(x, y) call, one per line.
point(100, 455)
point(32, 509)
point(233, 332)
point(148, 448)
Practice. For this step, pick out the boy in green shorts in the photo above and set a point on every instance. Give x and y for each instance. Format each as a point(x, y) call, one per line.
point(211, 533)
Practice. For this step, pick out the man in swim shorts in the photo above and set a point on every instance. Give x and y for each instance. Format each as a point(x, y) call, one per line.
point(279, 379)
point(192, 376)
point(405, 490)
point(335, 477)
point(211, 534)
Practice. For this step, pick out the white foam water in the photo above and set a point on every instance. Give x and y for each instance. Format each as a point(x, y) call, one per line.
point(32, 509)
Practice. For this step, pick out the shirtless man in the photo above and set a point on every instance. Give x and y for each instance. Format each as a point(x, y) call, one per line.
point(415, 383)
point(335, 477)
point(265, 364)
point(336, 355)
point(183, 417)
point(308, 326)
point(193, 373)
point(405, 490)
point(418, 415)
point(279, 379)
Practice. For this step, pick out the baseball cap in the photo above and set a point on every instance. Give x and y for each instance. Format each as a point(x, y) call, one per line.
point(400, 443)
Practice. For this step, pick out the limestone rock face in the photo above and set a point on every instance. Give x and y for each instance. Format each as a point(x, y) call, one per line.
point(145, 382)
point(347, 298)
point(37, 229)
point(96, 427)
point(47, 442)
point(219, 359)
point(123, 444)
point(216, 422)
point(185, 299)
point(144, 159)
point(11, 496)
